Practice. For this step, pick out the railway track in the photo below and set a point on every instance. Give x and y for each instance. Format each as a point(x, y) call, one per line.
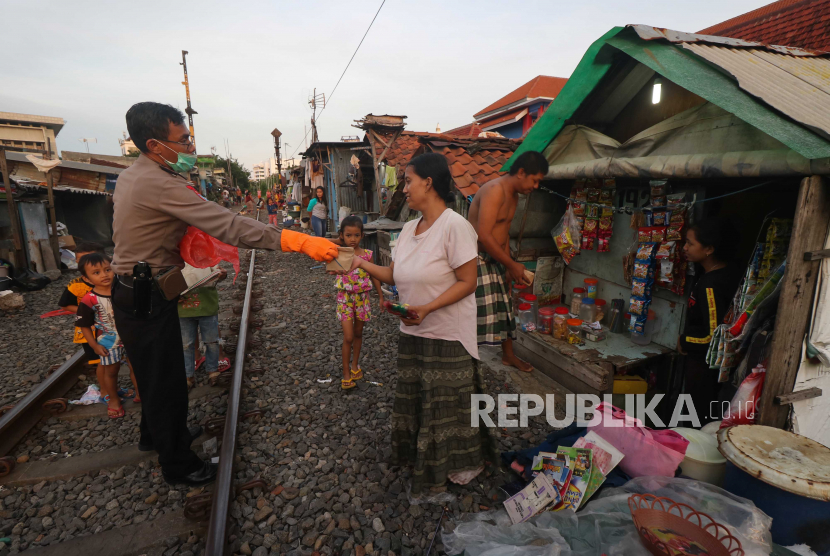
point(204, 511)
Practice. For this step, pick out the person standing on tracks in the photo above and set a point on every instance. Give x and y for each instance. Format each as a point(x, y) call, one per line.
point(153, 208)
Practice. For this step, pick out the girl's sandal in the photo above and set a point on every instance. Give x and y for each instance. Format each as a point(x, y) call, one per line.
point(347, 384)
point(358, 374)
point(137, 399)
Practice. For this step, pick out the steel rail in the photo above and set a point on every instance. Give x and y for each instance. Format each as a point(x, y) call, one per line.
point(223, 489)
point(27, 412)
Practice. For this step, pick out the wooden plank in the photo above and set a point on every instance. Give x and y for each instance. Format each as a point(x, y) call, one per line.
point(14, 217)
point(812, 216)
point(595, 376)
point(50, 190)
point(48, 254)
point(809, 393)
point(816, 255)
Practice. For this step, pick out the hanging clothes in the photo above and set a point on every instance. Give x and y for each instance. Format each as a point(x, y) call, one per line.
point(391, 178)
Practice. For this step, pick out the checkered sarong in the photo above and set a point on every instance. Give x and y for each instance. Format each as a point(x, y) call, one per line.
point(495, 322)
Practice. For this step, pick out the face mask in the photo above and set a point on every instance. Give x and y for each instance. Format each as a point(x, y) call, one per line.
point(184, 161)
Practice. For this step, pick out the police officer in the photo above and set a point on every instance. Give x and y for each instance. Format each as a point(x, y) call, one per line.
point(154, 205)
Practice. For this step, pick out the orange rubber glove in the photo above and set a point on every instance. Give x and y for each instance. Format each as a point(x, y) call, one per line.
point(318, 248)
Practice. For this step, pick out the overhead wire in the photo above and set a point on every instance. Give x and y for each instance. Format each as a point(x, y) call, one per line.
point(341, 75)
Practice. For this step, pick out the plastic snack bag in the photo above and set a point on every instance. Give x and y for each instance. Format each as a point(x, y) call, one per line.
point(742, 409)
point(567, 235)
point(200, 250)
point(399, 309)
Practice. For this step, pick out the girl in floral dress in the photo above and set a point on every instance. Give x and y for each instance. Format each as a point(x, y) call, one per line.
point(354, 307)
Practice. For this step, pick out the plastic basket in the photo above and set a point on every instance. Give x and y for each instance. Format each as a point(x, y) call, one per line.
point(669, 528)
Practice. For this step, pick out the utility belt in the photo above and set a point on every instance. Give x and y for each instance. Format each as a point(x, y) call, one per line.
point(143, 290)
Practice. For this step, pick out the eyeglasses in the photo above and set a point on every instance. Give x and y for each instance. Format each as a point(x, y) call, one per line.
point(188, 143)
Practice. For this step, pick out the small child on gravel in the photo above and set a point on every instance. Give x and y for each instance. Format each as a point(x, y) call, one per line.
point(272, 210)
point(354, 307)
point(74, 291)
point(95, 311)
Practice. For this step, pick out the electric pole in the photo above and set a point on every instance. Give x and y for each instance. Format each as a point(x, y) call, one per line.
point(189, 110)
point(276, 134)
point(313, 102)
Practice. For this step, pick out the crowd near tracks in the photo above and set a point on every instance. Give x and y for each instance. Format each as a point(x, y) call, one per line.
point(199, 526)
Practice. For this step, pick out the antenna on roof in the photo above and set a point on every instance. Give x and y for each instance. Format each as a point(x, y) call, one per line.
point(88, 141)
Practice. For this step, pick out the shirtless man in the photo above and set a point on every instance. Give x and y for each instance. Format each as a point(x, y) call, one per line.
point(491, 214)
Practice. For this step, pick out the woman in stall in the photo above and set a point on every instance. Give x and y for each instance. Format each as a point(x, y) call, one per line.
point(711, 245)
point(434, 269)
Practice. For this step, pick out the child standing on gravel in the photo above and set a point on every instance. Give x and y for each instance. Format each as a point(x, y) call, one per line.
point(353, 305)
point(95, 311)
point(272, 210)
point(74, 291)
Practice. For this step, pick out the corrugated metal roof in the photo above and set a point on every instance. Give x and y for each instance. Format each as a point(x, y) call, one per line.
point(648, 33)
point(797, 86)
point(21, 157)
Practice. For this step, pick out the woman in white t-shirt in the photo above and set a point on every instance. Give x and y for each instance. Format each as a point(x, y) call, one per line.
point(434, 269)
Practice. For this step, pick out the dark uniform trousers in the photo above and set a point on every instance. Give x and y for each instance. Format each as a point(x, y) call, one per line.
point(154, 346)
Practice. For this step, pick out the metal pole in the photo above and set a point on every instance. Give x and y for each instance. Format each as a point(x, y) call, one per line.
point(53, 239)
point(14, 217)
point(189, 110)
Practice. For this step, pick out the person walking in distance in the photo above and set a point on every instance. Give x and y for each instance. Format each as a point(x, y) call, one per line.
point(318, 209)
point(491, 214)
point(153, 207)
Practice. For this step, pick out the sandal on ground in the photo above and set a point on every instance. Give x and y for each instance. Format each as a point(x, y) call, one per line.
point(358, 374)
point(112, 412)
point(191, 382)
point(126, 394)
point(224, 365)
point(137, 399)
point(347, 384)
point(200, 362)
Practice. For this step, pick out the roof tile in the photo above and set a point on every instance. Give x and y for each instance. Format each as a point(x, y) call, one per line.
point(540, 86)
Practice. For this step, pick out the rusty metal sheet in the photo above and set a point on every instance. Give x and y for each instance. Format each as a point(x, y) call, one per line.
point(646, 32)
point(798, 87)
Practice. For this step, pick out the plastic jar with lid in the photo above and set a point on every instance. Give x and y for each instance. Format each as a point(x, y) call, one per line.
point(588, 310)
point(591, 285)
point(514, 294)
point(651, 325)
point(576, 300)
point(601, 311)
point(560, 323)
point(526, 321)
point(534, 304)
point(574, 331)
point(544, 324)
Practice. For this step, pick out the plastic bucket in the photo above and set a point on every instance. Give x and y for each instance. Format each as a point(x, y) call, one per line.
point(703, 461)
point(786, 475)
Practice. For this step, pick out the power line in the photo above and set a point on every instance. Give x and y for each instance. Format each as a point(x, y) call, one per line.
point(342, 74)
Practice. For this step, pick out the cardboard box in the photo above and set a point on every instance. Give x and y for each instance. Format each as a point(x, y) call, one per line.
point(66, 242)
point(343, 260)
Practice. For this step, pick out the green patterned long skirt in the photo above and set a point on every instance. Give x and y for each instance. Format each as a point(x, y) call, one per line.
point(431, 417)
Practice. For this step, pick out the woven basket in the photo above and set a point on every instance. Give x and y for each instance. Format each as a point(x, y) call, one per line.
point(669, 528)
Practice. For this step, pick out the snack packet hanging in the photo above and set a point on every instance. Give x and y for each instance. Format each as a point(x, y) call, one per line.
point(644, 234)
point(592, 210)
point(675, 199)
point(678, 215)
point(638, 305)
point(645, 252)
point(579, 208)
point(591, 227)
point(603, 245)
point(658, 188)
point(661, 218)
point(658, 201)
point(675, 232)
point(641, 287)
point(606, 224)
point(592, 194)
point(658, 234)
point(587, 243)
point(665, 250)
point(642, 270)
point(567, 235)
point(580, 191)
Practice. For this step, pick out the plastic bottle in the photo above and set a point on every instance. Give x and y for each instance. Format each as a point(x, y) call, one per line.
point(534, 305)
point(602, 311)
point(560, 323)
point(591, 285)
point(526, 321)
point(652, 324)
point(576, 300)
point(575, 331)
point(544, 324)
point(588, 310)
point(514, 294)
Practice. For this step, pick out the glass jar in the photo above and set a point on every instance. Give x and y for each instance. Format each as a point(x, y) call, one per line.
point(534, 305)
point(515, 293)
point(602, 311)
point(615, 321)
point(526, 321)
point(591, 285)
point(576, 300)
point(544, 324)
point(588, 310)
point(574, 331)
point(560, 323)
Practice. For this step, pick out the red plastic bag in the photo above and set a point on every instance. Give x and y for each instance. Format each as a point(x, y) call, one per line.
point(741, 410)
point(201, 250)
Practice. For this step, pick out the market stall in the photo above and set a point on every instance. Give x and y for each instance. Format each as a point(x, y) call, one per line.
point(657, 131)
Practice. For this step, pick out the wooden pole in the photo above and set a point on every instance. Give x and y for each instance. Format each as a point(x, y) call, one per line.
point(14, 217)
point(53, 239)
point(812, 217)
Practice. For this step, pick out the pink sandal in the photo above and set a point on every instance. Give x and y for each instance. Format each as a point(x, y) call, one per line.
point(224, 365)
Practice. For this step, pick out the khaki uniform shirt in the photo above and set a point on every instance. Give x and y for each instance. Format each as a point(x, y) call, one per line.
point(153, 208)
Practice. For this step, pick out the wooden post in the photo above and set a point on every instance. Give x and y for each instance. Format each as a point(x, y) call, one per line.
point(377, 174)
point(53, 239)
point(812, 216)
point(14, 217)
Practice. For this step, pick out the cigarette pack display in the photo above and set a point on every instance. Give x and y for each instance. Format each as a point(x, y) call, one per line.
point(532, 499)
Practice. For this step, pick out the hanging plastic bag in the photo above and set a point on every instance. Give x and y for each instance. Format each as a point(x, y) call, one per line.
point(567, 235)
point(742, 408)
point(201, 250)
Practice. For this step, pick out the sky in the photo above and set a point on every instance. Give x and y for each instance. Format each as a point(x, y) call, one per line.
point(253, 65)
